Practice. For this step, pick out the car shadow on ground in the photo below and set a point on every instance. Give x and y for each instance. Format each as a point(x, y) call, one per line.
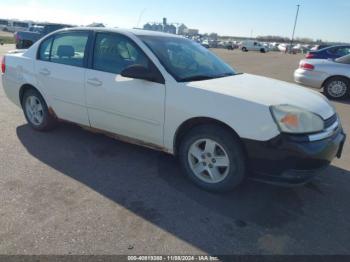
point(151, 185)
point(343, 101)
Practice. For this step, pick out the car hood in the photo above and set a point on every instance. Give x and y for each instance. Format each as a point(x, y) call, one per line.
point(267, 91)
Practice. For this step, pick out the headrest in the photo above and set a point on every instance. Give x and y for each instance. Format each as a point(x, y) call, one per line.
point(65, 51)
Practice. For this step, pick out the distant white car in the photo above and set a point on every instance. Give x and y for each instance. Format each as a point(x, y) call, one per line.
point(172, 94)
point(250, 45)
point(284, 47)
point(331, 75)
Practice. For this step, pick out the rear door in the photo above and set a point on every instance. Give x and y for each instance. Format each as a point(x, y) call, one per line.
point(130, 107)
point(60, 71)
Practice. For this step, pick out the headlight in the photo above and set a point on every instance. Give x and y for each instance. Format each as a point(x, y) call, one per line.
point(294, 120)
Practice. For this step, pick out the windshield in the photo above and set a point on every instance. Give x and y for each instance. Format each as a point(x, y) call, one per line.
point(187, 60)
point(343, 60)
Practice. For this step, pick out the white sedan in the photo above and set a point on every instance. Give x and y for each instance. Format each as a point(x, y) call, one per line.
point(171, 94)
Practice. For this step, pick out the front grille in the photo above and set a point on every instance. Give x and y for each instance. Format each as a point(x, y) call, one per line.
point(330, 121)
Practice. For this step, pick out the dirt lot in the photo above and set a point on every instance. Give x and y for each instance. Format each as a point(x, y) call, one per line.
point(274, 64)
point(6, 48)
point(74, 192)
point(6, 34)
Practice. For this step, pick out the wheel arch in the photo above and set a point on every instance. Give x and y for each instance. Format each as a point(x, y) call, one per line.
point(334, 76)
point(24, 88)
point(197, 121)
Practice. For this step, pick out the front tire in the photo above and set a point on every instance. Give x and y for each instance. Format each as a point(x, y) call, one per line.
point(212, 158)
point(244, 49)
point(337, 88)
point(36, 111)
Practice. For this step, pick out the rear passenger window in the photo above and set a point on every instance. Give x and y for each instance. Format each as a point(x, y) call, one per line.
point(69, 49)
point(114, 53)
point(339, 51)
point(343, 51)
point(45, 48)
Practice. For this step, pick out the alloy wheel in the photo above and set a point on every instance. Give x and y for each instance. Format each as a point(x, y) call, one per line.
point(209, 161)
point(34, 110)
point(337, 89)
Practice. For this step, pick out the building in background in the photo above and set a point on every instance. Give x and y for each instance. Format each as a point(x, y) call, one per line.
point(96, 25)
point(171, 28)
point(191, 32)
point(181, 29)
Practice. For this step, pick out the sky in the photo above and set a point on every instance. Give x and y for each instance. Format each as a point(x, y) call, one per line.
point(318, 19)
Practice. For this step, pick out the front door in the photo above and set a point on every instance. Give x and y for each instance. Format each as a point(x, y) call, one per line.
point(130, 107)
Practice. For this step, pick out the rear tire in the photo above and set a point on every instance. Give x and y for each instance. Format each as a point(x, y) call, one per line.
point(36, 111)
point(262, 50)
point(212, 158)
point(244, 49)
point(337, 88)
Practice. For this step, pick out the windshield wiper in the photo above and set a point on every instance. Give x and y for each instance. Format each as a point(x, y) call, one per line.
point(206, 77)
point(225, 74)
point(196, 78)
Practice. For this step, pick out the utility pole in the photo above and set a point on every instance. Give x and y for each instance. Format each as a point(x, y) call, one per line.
point(295, 25)
point(140, 17)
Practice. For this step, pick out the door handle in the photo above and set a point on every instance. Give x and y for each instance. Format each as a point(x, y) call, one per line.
point(94, 82)
point(45, 72)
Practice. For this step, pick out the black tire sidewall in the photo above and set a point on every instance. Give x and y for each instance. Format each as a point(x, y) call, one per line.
point(47, 118)
point(326, 86)
point(232, 147)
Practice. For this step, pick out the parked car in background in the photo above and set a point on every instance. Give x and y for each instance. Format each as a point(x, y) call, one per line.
point(3, 24)
point(331, 75)
point(250, 45)
point(171, 94)
point(25, 39)
point(273, 46)
point(205, 43)
point(329, 52)
point(230, 45)
point(319, 47)
point(299, 48)
point(284, 48)
point(15, 26)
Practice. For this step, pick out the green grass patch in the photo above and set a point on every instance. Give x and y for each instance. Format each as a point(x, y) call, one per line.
point(7, 40)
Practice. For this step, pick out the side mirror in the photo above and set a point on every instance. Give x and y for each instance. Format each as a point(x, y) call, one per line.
point(140, 72)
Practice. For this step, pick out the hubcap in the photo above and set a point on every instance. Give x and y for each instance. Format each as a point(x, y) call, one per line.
point(34, 110)
point(209, 161)
point(337, 89)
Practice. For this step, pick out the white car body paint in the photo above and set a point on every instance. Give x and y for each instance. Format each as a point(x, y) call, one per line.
point(153, 112)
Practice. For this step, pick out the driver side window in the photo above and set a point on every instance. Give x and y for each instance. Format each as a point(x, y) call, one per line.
point(113, 53)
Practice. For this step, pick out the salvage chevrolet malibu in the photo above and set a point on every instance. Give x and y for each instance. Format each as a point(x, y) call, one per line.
point(171, 94)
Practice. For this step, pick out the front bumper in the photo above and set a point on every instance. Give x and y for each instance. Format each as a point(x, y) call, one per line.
point(309, 78)
point(292, 160)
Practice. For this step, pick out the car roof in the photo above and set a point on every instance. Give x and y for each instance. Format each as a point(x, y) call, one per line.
point(333, 46)
point(137, 32)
